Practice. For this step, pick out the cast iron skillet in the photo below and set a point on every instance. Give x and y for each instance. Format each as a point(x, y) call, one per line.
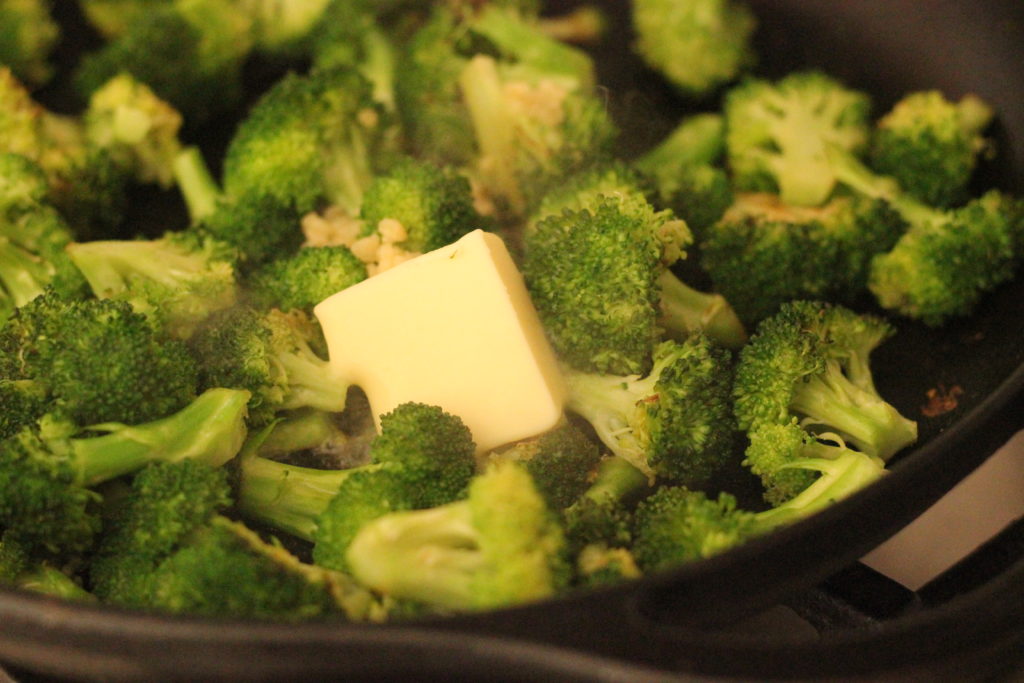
point(672, 625)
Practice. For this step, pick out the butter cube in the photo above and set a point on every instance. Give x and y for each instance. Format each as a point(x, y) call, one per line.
point(454, 328)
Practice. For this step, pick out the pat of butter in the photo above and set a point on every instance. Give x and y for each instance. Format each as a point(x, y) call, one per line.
point(454, 328)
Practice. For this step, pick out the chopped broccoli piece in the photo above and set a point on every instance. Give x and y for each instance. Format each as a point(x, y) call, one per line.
point(777, 134)
point(676, 525)
point(697, 46)
point(501, 546)
point(139, 129)
point(310, 140)
point(810, 361)
point(113, 17)
point(432, 204)
point(177, 279)
point(561, 462)
point(599, 565)
point(27, 39)
point(270, 355)
point(96, 361)
point(931, 145)
point(304, 279)
point(45, 475)
point(189, 53)
point(946, 259)
point(763, 252)
point(602, 515)
point(676, 422)
point(422, 456)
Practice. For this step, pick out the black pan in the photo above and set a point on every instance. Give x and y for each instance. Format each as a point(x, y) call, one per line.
point(675, 624)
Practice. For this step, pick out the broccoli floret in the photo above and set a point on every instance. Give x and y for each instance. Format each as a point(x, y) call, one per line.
point(602, 515)
point(24, 402)
point(696, 140)
point(189, 53)
point(32, 257)
point(23, 184)
point(676, 422)
point(348, 34)
point(501, 546)
point(45, 475)
point(810, 361)
point(598, 565)
point(28, 37)
point(600, 284)
point(777, 134)
point(113, 17)
point(270, 355)
point(946, 259)
point(676, 525)
point(258, 226)
point(562, 463)
point(422, 456)
point(286, 27)
point(85, 183)
point(139, 130)
point(178, 279)
point(167, 502)
point(489, 89)
point(433, 205)
point(697, 46)
point(96, 361)
point(305, 278)
point(931, 145)
point(764, 252)
point(168, 547)
point(20, 569)
point(310, 140)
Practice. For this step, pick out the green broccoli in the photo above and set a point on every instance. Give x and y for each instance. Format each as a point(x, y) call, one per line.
point(931, 145)
point(46, 473)
point(177, 279)
point(433, 205)
point(20, 569)
point(28, 38)
point(777, 134)
point(304, 279)
point(561, 461)
point(139, 130)
point(24, 402)
point(95, 361)
point(421, 457)
point(489, 89)
point(310, 140)
point(599, 281)
point(258, 226)
point(675, 422)
point(697, 46)
point(501, 546)
point(85, 183)
point(270, 355)
point(676, 525)
point(763, 252)
point(602, 515)
point(33, 258)
point(113, 17)
point(190, 53)
point(946, 259)
point(168, 547)
point(810, 361)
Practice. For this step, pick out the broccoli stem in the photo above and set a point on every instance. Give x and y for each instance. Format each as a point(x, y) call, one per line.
point(287, 497)
point(616, 480)
point(310, 382)
point(50, 581)
point(684, 310)
point(427, 555)
point(840, 477)
point(211, 429)
point(196, 183)
point(862, 417)
point(607, 402)
point(697, 140)
point(21, 275)
point(482, 91)
point(304, 430)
